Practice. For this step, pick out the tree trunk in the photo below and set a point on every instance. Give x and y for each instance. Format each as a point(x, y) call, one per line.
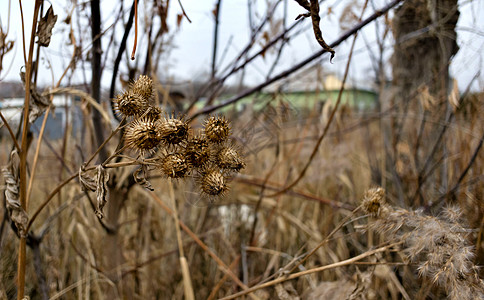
point(425, 41)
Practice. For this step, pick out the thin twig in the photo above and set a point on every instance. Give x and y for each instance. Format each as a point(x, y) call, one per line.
point(12, 135)
point(37, 153)
point(269, 185)
point(119, 56)
point(219, 284)
point(341, 39)
point(183, 11)
point(311, 271)
point(330, 119)
point(23, 30)
point(457, 185)
point(215, 38)
point(50, 197)
point(113, 133)
point(342, 223)
point(135, 28)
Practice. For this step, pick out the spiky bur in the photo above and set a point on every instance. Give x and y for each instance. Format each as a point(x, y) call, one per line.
point(227, 157)
point(212, 182)
point(437, 245)
point(143, 135)
point(174, 165)
point(197, 151)
point(217, 129)
point(130, 104)
point(143, 86)
point(153, 113)
point(174, 131)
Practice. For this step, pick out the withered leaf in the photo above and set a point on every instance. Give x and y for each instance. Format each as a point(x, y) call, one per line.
point(12, 193)
point(140, 178)
point(102, 179)
point(312, 6)
point(38, 103)
point(44, 31)
point(87, 182)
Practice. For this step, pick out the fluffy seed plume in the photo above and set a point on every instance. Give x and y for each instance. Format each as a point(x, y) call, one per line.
point(174, 131)
point(143, 135)
point(229, 158)
point(130, 104)
point(143, 86)
point(197, 151)
point(174, 165)
point(217, 129)
point(213, 183)
point(438, 246)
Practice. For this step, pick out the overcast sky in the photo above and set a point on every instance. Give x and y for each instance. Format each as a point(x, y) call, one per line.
point(190, 56)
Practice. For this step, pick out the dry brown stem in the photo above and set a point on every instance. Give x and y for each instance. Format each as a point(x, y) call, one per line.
point(314, 270)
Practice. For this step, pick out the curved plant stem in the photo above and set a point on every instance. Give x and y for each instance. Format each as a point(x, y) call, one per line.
point(183, 11)
point(115, 154)
point(344, 222)
point(311, 271)
point(36, 156)
point(51, 195)
point(23, 30)
point(106, 141)
point(23, 156)
point(135, 28)
point(12, 135)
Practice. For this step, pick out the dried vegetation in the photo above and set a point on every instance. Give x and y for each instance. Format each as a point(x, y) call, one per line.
point(387, 207)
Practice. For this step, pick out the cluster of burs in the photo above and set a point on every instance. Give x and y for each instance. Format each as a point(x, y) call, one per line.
point(177, 151)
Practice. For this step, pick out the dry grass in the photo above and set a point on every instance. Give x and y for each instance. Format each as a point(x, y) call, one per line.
point(383, 205)
point(430, 257)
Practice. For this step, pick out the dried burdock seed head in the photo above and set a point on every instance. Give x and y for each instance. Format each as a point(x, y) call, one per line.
point(143, 86)
point(217, 129)
point(212, 182)
point(228, 157)
point(153, 113)
point(374, 201)
point(197, 151)
point(174, 131)
point(130, 104)
point(143, 135)
point(174, 165)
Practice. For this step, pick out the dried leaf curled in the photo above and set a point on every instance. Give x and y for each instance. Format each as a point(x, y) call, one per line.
point(38, 103)
point(46, 24)
point(12, 193)
point(140, 178)
point(87, 183)
point(102, 179)
point(312, 7)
